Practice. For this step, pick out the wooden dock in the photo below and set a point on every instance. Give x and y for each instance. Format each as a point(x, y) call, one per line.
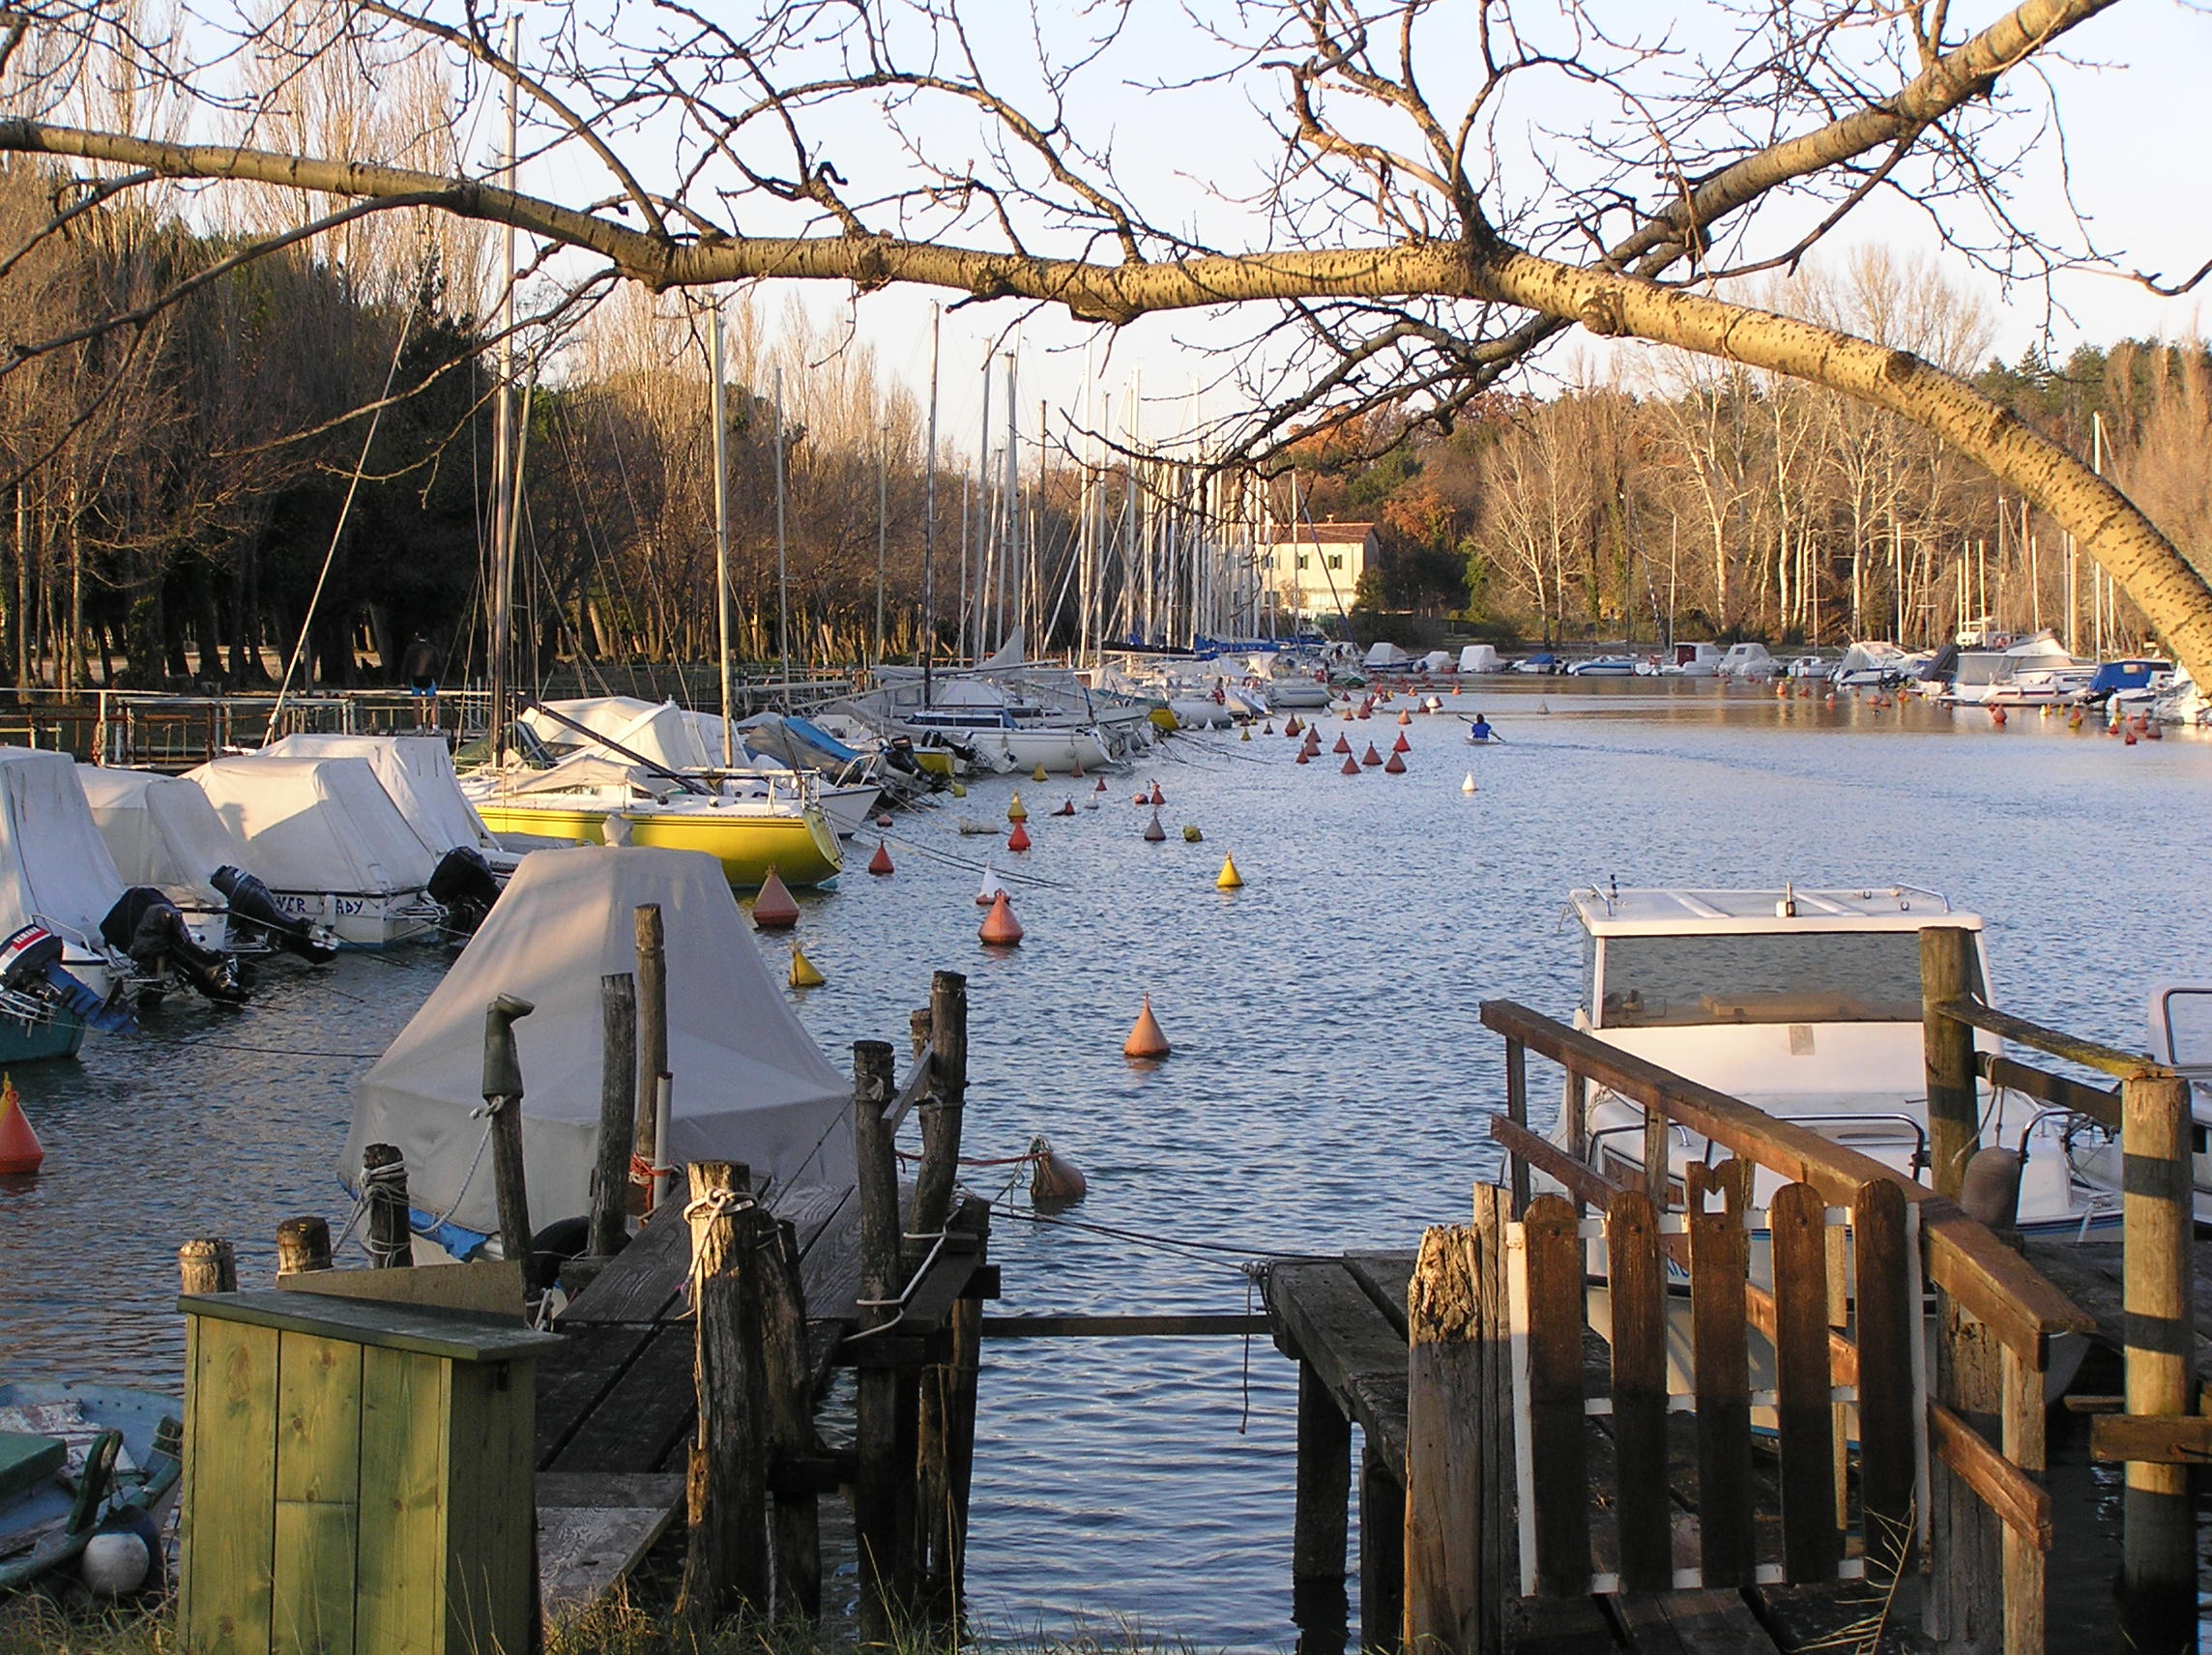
point(2089, 1273)
point(616, 1402)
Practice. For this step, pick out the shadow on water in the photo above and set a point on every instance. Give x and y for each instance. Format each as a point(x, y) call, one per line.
point(1328, 1082)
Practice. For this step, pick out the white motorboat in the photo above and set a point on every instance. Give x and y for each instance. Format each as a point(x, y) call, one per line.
point(1971, 675)
point(1807, 667)
point(1747, 662)
point(162, 832)
point(58, 975)
point(1480, 658)
point(1872, 663)
point(2181, 701)
point(1006, 732)
point(2180, 1037)
point(417, 772)
point(1807, 1005)
point(2041, 687)
point(1604, 666)
point(1691, 660)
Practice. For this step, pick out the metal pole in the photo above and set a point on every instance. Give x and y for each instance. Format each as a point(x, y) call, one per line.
point(782, 564)
point(503, 442)
point(882, 526)
point(929, 523)
point(721, 524)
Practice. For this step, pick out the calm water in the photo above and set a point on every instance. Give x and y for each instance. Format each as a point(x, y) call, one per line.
point(1330, 1075)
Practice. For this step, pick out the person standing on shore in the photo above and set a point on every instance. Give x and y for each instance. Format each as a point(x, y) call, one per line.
point(419, 666)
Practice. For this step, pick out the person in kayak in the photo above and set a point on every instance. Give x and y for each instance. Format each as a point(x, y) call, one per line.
point(1479, 730)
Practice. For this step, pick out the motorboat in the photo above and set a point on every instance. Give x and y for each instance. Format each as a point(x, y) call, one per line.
point(2041, 687)
point(1747, 662)
point(1973, 673)
point(2180, 1037)
point(1806, 1005)
point(1806, 667)
point(1297, 680)
point(1691, 660)
point(162, 832)
point(748, 1082)
point(1383, 655)
point(1480, 658)
point(330, 843)
point(416, 773)
point(2181, 701)
point(1541, 661)
point(1604, 666)
point(1006, 731)
point(1872, 663)
point(78, 1460)
point(58, 975)
point(2133, 683)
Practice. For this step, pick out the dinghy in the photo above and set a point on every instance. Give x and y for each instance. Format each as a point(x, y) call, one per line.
point(749, 1083)
point(79, 1461)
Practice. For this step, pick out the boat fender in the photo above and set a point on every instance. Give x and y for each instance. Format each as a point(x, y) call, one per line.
point(561, 1241)
point(1054, 1179)
point(1989, 1190)
point(125, 1557)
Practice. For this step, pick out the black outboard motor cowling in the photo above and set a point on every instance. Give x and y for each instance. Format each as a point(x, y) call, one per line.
point(463, 885)
point(251, 903)
point(151, 929)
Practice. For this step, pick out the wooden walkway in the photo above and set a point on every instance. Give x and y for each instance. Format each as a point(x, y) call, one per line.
point(615, 1404)
point(2089, 1273)
point(1345, 1323)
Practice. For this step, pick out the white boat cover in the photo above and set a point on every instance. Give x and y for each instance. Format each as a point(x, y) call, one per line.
point(161, 831)
point(1480, 657)
point(1872, 655)
point(317, 825)
point(661, 732)
point(1437, 661)
point(750, 1084)
point(54, 868)
point(1384, 653)
point(416, 772)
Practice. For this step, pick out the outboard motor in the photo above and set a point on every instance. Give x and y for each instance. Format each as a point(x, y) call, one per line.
point(151, 929)
point(251, 904)
point(31, 971)
point(463, 885)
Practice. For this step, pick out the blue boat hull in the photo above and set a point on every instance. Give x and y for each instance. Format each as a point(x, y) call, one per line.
point(27, 1042)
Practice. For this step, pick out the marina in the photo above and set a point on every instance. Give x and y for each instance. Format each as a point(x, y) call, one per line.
point(1335, 1107)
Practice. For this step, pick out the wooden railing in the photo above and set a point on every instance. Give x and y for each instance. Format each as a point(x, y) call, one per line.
point(1991, 1526)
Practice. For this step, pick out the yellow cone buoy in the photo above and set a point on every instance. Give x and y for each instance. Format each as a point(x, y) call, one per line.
point(1231, 879)
point(959, 790)
point(1190, 833)
point(1038, 775)
point(804, 972)
point(1246, 734)
point(1017, 811)
point(1146, 1040)
point(1468, 786)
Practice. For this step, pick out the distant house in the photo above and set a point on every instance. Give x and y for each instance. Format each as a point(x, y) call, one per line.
point(1316, 569)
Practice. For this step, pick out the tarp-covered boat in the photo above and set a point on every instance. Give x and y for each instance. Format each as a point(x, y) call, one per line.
point(417, 772)
point(750, 1086)
point(57, 883)
point(161, 831)
point(331, 843)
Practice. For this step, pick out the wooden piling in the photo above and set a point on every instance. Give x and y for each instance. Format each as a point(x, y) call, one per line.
point(787, 1372)
point(651, 1045)
point(1381, 1551)
point(1320, 1520)
point(1966, 1594)
point(942, 1113)
point(384, 1187)
point(2158, 1568)
point(207, 1264)
point(1498, 1555)
point(302, 1244)
point(1954, 1119)
point(618, 1115)
point(876, 1491)
point(1443, 1449)
point(503, 1096)
point(725, 1560)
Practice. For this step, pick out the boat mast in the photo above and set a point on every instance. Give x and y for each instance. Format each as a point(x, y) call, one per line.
point(1010, 538)
point(720, 414)
point(782, 563)
point(502, 438)
point(929, 523)
point(983, 525)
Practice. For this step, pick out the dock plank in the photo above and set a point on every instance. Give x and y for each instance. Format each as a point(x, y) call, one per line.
point(573, 1381)
point(1332, 1323)
point(2089, 1273)
point(592, 1529)
point(648, 1410)
point(1385, 1277)
point(1707, 1622)
point(640, 1283)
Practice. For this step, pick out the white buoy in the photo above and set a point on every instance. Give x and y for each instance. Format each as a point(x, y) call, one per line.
point(989, 891)
point(115, 1565)
point(1468, 786)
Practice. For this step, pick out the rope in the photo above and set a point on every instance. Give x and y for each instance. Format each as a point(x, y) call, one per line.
point(713, 1205)
point(381, 1183)
point(1014, 874)
point(1020, 1160)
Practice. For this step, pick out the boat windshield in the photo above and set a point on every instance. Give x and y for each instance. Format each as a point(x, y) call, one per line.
point(1832, 977)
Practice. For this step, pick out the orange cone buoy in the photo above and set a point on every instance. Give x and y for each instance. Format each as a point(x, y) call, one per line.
point(1342, 745)
point(20, 1150)
point(1229, 878)
point(1997, 716)
point(999, 928)
point(1154, 832)
point(1350, 765)
point(1158, 798)
point(1394, 766)
point(1054, 1179)
point(1017, 811)
point(1371, 757)
point(1400, 745)
point(1146, 1040)
point(881, 861)
point(1291, 726)
point(1019, 838)
point(773, 909)
point(1405, 717)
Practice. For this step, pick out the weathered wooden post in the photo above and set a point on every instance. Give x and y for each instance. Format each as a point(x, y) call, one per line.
point(879, 1475)
point(725, 1560)
point(618, 1115)
point(945, 1405)
point(796, 1540)
point(1321, 1521)
point(384, 1187)
point(1443, 1450)
point(652, 1046)
point(1966, 1598)
point(302, 1244)
point(503, 1096)
point(1954, 1119)
point(207, 1264)
point(2158, 1567)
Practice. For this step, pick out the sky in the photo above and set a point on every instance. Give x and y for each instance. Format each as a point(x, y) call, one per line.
point(2137, 170)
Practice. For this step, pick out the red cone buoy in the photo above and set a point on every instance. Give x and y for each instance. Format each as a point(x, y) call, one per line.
point(1367, 712)
point(881, 861)
point(884, 819)
point(1146, 1039)
point(19, 1149)
point(1400, 745)
point(1019, 838)
point(773, 909)
point(1350, 765)
point(1054, 1179)
point(1405, 717)
point(1342, 745)
point(1268, 728)
point(999, 928)
point(1158, 798)
point(2150, 731)
point(1371, 757)
point(1997, 716)
point(1291, 726)
point(1066, 808)
point(1394, 766)
point(2130, 738)
point(1154, 832)
point(1303, 758)
point(1101, 787)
